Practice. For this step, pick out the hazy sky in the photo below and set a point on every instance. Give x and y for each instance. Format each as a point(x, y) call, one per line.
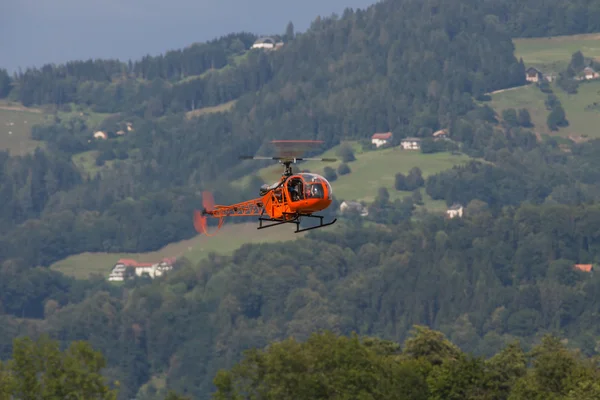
point(34, 32)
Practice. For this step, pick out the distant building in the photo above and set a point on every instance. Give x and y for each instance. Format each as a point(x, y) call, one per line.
point(441, 134)
point(354, 206)
point(411, 143)
point(380, 139)
point(584, 267)
point(589, 73)
point(119, 271)
point(100, 135)
point(533, 75)
point(267, 42)
point(455, 211)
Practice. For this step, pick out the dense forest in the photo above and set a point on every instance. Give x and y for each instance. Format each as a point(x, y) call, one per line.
point(503, 272)
point(426, 366)
point(484, 280)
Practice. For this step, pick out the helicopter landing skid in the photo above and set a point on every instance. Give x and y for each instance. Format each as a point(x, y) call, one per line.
point(294, 220)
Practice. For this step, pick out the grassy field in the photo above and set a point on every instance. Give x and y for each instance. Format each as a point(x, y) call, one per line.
point(92, 119)
point(583, 116)
point(553, 54)
point(229, 238)
point(15, 128)
point(372, 170)
point(16, 122)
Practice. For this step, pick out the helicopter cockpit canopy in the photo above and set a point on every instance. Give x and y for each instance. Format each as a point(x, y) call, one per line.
point(305, 186)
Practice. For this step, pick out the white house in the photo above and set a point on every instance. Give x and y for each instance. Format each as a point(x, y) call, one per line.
point(380, 139)
point(153, 270)
point(533, 75)
point(266, 43)
point(589, 73)
point(455, 211)
point(411, 143)
point(100, 135)
point(354, 206)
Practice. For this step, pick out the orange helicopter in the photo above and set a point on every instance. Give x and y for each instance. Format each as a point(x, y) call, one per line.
point(293, 197)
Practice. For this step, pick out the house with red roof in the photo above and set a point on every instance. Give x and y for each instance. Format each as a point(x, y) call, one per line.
point(584, 267)
point(380, 139)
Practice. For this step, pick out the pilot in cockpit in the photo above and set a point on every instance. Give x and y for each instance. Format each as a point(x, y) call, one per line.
point(295, 189)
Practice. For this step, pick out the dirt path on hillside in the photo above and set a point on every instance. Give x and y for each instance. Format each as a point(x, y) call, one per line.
point(505, 90)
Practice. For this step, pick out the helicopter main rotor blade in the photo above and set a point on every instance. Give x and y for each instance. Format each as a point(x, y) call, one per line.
point(317, 159)
point(291, 159)
point(260, 158)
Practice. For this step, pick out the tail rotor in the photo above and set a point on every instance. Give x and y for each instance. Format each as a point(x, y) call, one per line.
point(200, 221)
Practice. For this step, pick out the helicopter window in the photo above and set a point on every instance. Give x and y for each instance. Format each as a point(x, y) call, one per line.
point(295, 188)
point(315, 191)
point(315, 183)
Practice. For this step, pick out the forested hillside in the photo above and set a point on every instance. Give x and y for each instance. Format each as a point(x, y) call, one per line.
point(427, 366)
point(400, 66)
point(504, 271)
point(484, 280)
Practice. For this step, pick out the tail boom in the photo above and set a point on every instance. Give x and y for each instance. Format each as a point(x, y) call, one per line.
point(244, 209)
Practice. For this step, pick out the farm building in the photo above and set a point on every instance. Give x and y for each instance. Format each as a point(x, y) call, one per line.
point(455, 211)
point(120, 270)
point(411, 143)
point(380, 139)
point(441, 134)
point(533, 75)
point(266, 43)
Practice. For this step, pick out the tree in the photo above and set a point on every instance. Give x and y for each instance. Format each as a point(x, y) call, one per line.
point(524, 118)
point(509, 116)
point(40, 370)
point(289, 32)
point(577, 61)
point(382, 198)
point(325, 366)
point(557, 118)
point(329, 174)
point(400, 182)
point(414, 179)
point(556, 372)
point(172, 395)
point(417, 197)
point(346, 153)
point(343, 169)
point(4, 83)
point(432, 345)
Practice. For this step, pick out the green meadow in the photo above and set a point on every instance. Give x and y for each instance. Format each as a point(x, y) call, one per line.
point(229, 238)
point(371, 170)
point(15, 128)
point(552, 54)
